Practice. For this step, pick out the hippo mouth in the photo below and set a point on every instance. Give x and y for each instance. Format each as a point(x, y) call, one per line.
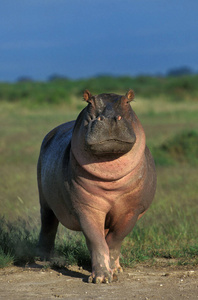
point(111, 146)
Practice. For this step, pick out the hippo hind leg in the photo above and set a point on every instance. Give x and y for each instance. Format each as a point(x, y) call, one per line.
point(114, 239)
point(114, 253)
point(49, 226)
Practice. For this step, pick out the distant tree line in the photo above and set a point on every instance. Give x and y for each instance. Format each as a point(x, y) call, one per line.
point(178, 86)
point(174, 72)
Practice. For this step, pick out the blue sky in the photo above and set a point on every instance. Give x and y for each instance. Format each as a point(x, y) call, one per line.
point(83, 38)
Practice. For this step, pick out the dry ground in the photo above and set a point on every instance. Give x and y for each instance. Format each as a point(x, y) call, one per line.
point(141, 282)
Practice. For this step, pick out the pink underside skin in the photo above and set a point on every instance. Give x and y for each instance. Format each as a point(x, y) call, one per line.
point(103, 187)
point(109, 180)
point(102, 194)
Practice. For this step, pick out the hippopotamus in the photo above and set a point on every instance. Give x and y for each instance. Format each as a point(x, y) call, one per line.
point(96, 175)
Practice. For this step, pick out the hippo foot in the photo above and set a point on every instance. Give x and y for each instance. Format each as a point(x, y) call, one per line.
point(115, 266)
point(42, 254)
point(101, 276)
point(117, 270)
point(43, 257)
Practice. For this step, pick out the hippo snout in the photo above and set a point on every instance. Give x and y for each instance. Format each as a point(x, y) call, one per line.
point(109, 135)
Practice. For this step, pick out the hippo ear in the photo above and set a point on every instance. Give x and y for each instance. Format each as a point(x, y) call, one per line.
point(87, 96)
point(130, 95)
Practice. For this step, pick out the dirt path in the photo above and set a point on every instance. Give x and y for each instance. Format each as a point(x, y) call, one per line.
point(141, 282)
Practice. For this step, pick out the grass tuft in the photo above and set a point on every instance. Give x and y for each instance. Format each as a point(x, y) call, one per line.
point(71, 249)
point(5, 259)
point(17, 242)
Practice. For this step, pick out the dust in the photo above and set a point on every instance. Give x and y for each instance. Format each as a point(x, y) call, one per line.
point(38, 281)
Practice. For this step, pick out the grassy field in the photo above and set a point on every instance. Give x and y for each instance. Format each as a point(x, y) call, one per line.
point(169, 229)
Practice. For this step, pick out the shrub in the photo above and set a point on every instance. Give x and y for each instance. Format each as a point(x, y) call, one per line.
point(181, 148)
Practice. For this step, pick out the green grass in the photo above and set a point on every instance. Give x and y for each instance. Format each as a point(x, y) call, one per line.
point(5, 259)
point(168, 230)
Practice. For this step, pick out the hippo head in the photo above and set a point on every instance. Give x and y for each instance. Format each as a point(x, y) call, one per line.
point(108, 123)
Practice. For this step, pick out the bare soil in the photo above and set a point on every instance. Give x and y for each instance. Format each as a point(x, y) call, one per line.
point(141, 282)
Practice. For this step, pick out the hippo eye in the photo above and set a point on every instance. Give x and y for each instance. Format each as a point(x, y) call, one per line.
point(100, 117)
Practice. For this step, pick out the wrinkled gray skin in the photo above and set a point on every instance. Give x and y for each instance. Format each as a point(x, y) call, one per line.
point(96, 175)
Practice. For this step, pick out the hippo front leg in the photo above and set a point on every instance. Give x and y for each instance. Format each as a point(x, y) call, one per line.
point(101, 272)
point(93, 229)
